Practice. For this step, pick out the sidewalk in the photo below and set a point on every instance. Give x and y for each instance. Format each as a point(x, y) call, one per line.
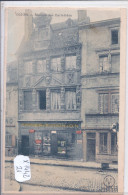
point(66, 163)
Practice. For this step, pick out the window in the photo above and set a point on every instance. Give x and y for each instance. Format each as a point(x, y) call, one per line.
point(27, 100)
point(56, 64)
point(115, 61)
point(114, 143)
point(41, 66)
point(42, 100)
point(28, 67)
point(70, 99)
point(55, 100)
point(109, 103)
point(104, 64)
point(103, 142)
point(114, 37)
point(70, 62)
point(8, 140)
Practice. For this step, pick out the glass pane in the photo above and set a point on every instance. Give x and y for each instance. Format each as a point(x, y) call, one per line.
point(41, 66)
point(115, 103)
point(27, 100)
point(70, 62)
point(56, 64)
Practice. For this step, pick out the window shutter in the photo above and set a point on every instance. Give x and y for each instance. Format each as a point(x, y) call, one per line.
point(13, 141)
point(106, 102)
point(101, 103)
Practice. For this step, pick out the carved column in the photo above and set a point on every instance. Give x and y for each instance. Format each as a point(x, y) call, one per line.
point(34, 62)
point(48, 102)
point(62, 98)
point(21, 100)
point(78, 97)
point(63, 63)
point(48, 64)
point(78, 59)
point(34, 99)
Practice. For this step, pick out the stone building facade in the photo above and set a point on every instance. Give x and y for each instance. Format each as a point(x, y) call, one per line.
point(68, 88)
point(11, 123)
point(100, 75)
point(50, 88)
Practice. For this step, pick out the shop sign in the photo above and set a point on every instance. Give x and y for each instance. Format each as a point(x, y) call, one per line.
point(78, 132)
point(38, 141)
point(53, 131)
point(31, 130)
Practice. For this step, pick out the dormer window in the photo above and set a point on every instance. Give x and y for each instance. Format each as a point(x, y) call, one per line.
point(114, 37)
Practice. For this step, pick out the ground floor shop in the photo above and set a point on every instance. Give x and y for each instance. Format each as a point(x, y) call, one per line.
point(61, 139)
point(100, 146)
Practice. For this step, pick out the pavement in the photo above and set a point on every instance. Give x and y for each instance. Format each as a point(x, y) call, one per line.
point(65, 163)
point(11, 185)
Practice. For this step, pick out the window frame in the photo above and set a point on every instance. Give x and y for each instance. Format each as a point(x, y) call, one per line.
point(24, 100)
point(26, 69)
point(53, 91)
point(103, 151)
point(71, 55)
point(74, 90)
point(109, 101)
point(55, 57)
point(41, 59)
point(39, 107)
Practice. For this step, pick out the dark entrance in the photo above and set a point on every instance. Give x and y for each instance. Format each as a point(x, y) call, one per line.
point(25, 145)
point(91, 145)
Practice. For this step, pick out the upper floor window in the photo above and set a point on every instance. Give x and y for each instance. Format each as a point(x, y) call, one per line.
point(55, 100)
point(42, 100)
point(70, 98)
point(41, 66)
point(28, 67)
point(70, 62)
point(108, 102)
point(27, 100)
point(56, 64)
point(104, 63)
point(115, 36)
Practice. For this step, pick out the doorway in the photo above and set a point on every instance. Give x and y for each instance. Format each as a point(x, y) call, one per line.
point(25, 145)
point(91, 145)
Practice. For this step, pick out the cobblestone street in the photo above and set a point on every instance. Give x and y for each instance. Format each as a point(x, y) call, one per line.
point(60, 178)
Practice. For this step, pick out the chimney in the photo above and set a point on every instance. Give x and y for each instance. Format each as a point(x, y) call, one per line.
point(28, 23)
point(82, 17)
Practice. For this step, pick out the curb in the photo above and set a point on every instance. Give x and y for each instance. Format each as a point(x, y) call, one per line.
point(63, 165)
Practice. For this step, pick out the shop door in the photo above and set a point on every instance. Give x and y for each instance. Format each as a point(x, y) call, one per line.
point(54, 143)
point(25, 145)
point(91, 150)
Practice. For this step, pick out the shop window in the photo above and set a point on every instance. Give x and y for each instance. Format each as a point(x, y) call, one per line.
point(114, 37)
point(114, 143)
point(56, 64)
point(55, 100)
point(70, 99)
point(108, 103)
point(27, 100)
point(104, 63)
point(46, 143)
point(103, 142)
point(42, 100)
point(70, 62)
point(41, 66)
point(28, 67)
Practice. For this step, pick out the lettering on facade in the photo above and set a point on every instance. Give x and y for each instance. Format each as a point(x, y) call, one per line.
point(51, 125)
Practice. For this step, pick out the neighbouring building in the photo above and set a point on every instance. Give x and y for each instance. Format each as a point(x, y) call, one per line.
point(11, 124)
point(100, 75)
point(49, 64)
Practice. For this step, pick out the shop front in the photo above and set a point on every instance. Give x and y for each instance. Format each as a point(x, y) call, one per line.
point(62, 139)
point(100, 146)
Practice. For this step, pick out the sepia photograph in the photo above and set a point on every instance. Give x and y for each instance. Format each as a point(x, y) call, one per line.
point(62, 99)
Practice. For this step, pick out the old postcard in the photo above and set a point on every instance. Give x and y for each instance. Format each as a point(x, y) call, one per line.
point(64, 89)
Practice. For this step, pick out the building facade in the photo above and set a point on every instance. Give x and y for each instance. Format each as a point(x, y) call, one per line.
point(11, 123)
point(68, 88)
point(100, 89)
point(50, 88)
